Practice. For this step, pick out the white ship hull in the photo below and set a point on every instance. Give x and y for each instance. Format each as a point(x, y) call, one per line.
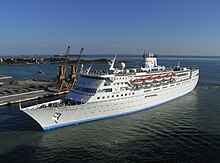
point(55, 117)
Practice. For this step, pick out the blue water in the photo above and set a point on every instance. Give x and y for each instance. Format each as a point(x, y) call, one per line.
point(184, 130)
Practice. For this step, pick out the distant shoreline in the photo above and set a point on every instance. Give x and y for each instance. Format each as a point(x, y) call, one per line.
point(106, 55)
point(19, 61)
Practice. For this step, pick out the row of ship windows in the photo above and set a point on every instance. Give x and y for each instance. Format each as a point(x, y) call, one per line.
point(128, 106)
point(162, 88)
point(114, 109)
point(104, 90)
point(183, 74)
point(177, 84)
point(119, 78)
point(122, 83)
point(131, 106)
point(126, 94)
point(132, 102)
point(171, 92)
point(90, 90)
point(103, 97)
point(83, 89)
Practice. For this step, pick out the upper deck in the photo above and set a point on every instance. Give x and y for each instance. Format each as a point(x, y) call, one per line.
point(90, 83)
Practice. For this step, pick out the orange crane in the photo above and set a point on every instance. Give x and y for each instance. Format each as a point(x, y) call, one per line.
point(74, 70)
point(66, 56)
point(79, 59)
point(61, 77)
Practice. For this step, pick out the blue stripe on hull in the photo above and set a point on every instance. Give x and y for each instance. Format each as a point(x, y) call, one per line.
point(110, 116)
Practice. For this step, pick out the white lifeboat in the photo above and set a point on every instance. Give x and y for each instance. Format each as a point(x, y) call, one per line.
point(148, 79)
point(167, 77)
point(173, 76)
point(158, 78)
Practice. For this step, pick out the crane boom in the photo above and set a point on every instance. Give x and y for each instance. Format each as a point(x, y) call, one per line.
point(62, 85)
point(79, 59)
point(66, 55)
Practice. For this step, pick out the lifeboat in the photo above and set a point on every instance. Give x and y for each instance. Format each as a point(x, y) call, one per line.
point(173, 76)
point(158, 78)
point(137, 81)
point(148, 79)
point(167, 77)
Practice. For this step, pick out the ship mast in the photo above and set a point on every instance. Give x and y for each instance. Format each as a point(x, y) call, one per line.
point(112, 64)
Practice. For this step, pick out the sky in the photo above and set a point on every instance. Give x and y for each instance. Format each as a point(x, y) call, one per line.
point(179, 27)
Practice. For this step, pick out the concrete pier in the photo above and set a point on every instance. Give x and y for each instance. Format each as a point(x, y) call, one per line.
point(27, 96)
point(26, 90)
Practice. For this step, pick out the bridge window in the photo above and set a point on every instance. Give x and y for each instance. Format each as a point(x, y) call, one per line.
point(84, 89)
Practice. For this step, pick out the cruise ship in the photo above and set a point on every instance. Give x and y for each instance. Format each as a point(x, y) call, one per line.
point(98, 95)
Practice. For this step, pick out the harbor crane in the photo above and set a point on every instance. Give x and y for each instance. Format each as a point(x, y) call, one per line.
point(74, 70)
point(62, 83)
point(61, 77)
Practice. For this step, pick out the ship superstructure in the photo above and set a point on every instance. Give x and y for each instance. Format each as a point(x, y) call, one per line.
point(97, 95)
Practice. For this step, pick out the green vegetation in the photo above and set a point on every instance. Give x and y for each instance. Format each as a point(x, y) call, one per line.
point(62, 60)
point(13, 61)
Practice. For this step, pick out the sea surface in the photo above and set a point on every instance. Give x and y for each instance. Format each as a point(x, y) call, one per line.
point(183, 130)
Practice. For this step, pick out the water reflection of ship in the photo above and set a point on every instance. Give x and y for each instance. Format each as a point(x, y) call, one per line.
point(207, 106)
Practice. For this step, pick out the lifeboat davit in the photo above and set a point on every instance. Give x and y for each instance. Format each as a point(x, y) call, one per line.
point(138, 81)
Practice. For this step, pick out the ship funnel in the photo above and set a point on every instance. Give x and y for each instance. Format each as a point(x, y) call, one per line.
point(149, 60)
